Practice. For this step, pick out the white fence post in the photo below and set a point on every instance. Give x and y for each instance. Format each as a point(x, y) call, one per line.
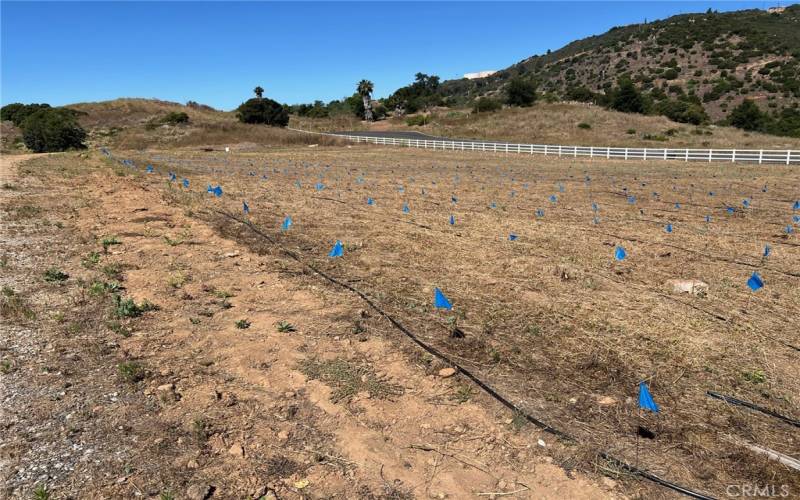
point(733, 156)
point(760, 156)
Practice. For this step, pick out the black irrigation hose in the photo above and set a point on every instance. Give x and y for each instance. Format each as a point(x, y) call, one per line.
point(766, 411)
point(480, 383)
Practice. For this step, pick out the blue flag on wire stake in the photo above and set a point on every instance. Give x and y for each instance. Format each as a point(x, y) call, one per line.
point(796, 205)
point(708, 218)
point(172, 176)
point(287, 223)
point(370, 201)
point(767, 250)
point(217, 191)
point(755, 282)
point(796, 219)
point(789, 229)
point(440, 301)
point(405, 208)
point(149, 169)
point(245, 207)
point(668, 228)
point(512, 237)
point(645, 399)
point(539, 212)
point(619, 253)
point(337, 250)
point(452, 220)
point(186, 183)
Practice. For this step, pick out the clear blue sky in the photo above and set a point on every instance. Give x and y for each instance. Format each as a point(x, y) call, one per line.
point(216, 53)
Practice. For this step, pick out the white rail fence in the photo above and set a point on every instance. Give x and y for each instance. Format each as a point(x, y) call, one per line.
point(760, 156)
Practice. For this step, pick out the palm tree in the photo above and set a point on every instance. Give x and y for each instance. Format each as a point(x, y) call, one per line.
point(364, 89)
point(259, 92)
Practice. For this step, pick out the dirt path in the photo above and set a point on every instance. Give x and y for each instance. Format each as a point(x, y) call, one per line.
point(248, 380)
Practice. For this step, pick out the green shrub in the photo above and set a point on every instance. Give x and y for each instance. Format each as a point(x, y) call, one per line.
point(584, 126)
point(520, 92)
point(263, 110)
point(175, 118)
point(50, 129)
point(627, 98)
point(486, 104)
point(418, 120)
point(683, 112)
point(747, 116)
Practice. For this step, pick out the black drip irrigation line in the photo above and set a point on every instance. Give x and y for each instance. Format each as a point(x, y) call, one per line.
point(474, 378)
point(738, 402)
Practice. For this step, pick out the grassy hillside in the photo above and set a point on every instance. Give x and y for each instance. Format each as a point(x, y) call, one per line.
point(720, 58)
point(565, 123)
point(137, 124)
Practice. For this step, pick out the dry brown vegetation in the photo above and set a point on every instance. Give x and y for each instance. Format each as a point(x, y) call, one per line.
point(557, 123)
point(551, 319)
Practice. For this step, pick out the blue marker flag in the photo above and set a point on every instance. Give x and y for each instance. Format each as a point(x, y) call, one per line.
point(619, 253)
point(512, 237)
point(405, 208)
point(755, 282)
point(539, 212)
point(370, 201)
point(217, 191)
point(440, 301)
point(708, 218)
point(596, 220)
point(553, 198)
point(746, 203)
point(337, 250)
point(172, 176)
point(789, 229)
point(149, 169)
point(245, 207)
point(796, 219)
point(453, 199)
point(209, 189)
point(594, 207)
point(645, 399)
point(452, 220)
point(767, 250)
point(287, 223)
point(678, 206)
point(668, 227)
point(730, 210)
point(631, 199)
point(320, 186)
point(796, 205)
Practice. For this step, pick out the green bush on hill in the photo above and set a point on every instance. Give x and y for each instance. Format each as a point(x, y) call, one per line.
point(264, 111)
point(52, 129)
point(486, 104)
point(520, 92)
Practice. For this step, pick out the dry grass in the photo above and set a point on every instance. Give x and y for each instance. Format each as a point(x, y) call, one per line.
point(558, 124)
point(551, 319)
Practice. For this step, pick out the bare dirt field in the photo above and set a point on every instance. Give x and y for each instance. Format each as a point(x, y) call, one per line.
point(157, 341)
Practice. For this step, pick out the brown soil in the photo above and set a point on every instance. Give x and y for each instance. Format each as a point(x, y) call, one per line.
point(182, 402)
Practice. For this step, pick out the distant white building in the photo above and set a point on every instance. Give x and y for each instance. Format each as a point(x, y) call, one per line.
point(479, 74)
point(776, 10)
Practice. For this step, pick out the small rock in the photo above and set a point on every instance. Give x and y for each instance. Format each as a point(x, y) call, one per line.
point(283, 435)
point(232, 254)
point(447, 372)
point(236, 450)
point(606, 401)
point(198, 492)
point(166, 387)
point(541, 443)
point(192, 464)
point(694, 287)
